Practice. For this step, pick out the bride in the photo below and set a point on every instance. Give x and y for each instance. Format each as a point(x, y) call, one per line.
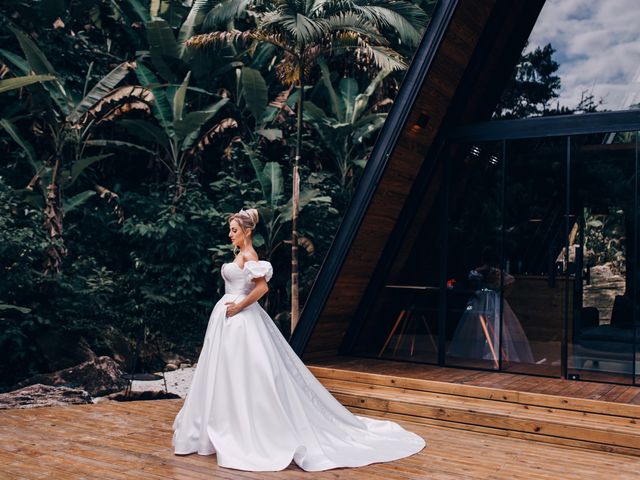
point(254, 403)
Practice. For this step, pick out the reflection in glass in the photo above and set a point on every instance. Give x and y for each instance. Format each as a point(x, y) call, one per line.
point(604, 195)
point(581, 56)
point(488, 328)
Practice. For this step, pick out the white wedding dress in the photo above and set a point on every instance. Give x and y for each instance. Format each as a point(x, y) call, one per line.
point(255, 404)
point(484, 311)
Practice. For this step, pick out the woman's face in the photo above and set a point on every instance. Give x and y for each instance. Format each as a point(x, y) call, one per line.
point(235, 233)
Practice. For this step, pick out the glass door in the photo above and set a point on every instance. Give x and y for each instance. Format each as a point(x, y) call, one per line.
point(535, 235)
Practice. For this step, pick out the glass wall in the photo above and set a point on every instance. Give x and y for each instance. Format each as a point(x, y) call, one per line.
point(602, 248)
point(521, 258)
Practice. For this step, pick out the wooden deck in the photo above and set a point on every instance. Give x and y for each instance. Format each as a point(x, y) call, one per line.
point(601, 417)
point(132, 440)
point(606, 392)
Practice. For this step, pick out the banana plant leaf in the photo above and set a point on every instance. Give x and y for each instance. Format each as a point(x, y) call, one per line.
point(17, 61)
point(28, 149)
point(4, 306)
point(178, 99)
point(101, 89)
point(258, 168)
point(348, 91)
point(162, 45)
point(20, 82)
point(254, 91)
point(146, 131)
point(119, 144)
point(36, 200)
point(270, 134)
point(362, 99)
point(224, 12)
point(41, 66)
point(272, 172)
point(76, 201)
point(337, 107)
point(141, 10)
point(190, 125)
point(81, 165)
point(193, 21)
point(161, 107)
point(306, 196)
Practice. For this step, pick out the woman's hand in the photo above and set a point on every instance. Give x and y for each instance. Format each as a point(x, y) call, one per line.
point(232, 308)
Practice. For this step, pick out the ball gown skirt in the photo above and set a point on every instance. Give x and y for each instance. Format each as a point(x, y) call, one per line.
point(471, 340)
point(254, 403)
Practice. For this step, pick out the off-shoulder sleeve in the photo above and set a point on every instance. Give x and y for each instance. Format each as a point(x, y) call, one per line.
point(258, 269)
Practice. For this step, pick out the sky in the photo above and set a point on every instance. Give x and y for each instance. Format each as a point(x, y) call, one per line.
point(597, 45)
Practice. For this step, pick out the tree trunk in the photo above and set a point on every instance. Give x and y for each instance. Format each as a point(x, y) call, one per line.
point(294, 220)
point(53, 218)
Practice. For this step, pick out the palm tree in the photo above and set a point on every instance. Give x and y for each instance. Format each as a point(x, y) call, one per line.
point(305, 32)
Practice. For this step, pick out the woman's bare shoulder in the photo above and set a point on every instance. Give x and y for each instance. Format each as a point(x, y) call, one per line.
point(250, 256)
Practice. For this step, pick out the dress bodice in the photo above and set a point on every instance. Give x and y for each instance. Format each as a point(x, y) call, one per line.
point(240, 280)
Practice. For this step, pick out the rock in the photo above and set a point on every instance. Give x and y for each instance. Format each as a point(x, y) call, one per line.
point(39, 395)
point(102, 399)
point(185, 365)
point(100, 376)
point(601, 272)
point(174, 358)
point(170, 367)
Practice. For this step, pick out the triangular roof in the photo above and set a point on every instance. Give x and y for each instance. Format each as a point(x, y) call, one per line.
point(457, 74)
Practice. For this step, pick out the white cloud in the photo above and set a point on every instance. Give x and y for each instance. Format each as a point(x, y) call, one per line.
point(597, 45)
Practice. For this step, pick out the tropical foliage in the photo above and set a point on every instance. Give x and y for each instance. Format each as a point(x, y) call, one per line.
point(125, 147)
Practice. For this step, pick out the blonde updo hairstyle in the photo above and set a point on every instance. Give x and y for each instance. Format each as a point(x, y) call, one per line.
point(247, 219)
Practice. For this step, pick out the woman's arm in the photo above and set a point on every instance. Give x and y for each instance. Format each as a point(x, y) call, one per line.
point(256, 294)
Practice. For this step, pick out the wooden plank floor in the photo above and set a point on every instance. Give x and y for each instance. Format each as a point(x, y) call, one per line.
point(508, 381)
point(132, 440)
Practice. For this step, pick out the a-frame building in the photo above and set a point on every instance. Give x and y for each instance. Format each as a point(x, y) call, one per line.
point(486, 267)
